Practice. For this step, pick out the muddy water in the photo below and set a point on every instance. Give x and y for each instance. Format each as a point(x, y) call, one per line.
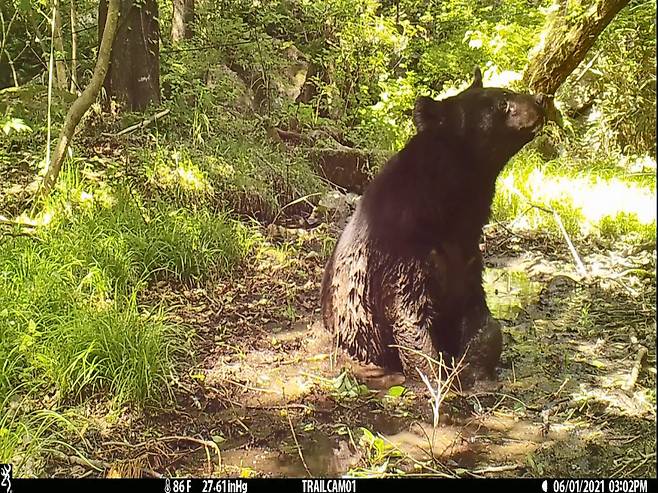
point(509, 291)
point(326, 453)
point(323, 456)
point(492, 440)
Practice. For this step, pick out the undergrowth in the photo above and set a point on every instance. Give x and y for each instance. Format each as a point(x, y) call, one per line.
point(596, 199)
point(71, 323)
point(169, 202)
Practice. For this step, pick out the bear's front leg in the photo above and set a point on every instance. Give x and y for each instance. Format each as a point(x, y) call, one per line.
point(409, 311)
point(482, 338)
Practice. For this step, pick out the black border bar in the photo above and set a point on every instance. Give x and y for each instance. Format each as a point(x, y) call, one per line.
point(330, 485)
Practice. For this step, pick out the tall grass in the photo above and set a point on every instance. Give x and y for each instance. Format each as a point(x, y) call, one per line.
point(70, 319)
point(71, 324)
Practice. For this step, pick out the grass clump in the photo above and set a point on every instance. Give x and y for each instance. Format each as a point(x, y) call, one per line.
point(71, 320)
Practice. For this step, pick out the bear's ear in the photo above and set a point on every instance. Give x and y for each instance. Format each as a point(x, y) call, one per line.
point(477, 79)
point(427, 113)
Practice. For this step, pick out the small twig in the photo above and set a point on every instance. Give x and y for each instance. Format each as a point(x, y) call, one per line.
point(437, 396)
point(629, 290)
point(9, 222)
point(557, 392)
point(308, 359)
point(266, 78)
point(299, 449)
point(485, 470)
point(98, 465)
point(17, 229)
point(27, 234)
point(136, 126)
point(206, 443)
point(647, 458)
point(635, 372)
point(122, 444)
point(247, 387)
point(286, 406)
point(636, 271)
point(587, 67)
point(502, 396)
point(579, 263)
point(50, 86)
point(295, 202)
point(458, 366)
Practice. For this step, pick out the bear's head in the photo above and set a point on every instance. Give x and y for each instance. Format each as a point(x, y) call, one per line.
point(493, 122)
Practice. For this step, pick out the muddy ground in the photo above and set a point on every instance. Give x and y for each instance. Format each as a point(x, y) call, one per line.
point(262, 395)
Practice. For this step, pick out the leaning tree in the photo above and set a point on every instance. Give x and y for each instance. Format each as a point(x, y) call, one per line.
point(570, 32)
point(84, 101)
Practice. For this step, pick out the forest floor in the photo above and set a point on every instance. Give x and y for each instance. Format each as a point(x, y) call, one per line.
point(263, 396)
point(260, 393)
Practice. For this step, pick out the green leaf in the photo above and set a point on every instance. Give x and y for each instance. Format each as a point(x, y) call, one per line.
point(396, 391)
point(15, 124)
point(367, 435)
point(218, 439)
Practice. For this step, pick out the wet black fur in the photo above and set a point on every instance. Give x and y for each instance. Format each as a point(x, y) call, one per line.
point(407, 270)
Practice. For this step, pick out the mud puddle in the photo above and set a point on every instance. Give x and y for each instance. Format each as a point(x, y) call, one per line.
point(509, 291)
point(570, 398)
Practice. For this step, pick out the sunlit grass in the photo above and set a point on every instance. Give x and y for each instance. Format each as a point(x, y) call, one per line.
point(71, 323)
point(176, 171)
point(600, 201)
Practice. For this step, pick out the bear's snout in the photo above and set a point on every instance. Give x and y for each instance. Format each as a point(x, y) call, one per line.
point(527, 113)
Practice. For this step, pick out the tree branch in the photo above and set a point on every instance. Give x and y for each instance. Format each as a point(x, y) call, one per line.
point(84, 101)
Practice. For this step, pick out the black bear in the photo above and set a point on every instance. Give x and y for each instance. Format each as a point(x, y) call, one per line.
point(405, 277)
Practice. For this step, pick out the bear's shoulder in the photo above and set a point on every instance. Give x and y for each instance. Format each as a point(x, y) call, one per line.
point(428, 169)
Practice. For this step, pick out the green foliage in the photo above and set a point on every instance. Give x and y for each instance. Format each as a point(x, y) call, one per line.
point(396, 391)
point(347, 387)
point(157, 204)
point(23, 118)
point(623, 83)
point(236, 163)
point(387, 124)
point(610, 98)
point(378, 455)
point(25, 433)
point(25, 36)
point(73, 324)
point(14, 125)
point(70, 315)
point(455, 36)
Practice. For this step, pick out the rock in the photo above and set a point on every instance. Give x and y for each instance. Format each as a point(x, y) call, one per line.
point(335, 207)
point(229, 82)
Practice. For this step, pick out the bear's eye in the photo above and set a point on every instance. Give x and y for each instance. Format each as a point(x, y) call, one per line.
point(503, 105)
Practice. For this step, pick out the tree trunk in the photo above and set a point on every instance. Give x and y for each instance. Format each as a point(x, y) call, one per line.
point(133, 77)
point(74, 48)
point(82, 104)
point(181, 22)
point(565, 42)
point(60, 58)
